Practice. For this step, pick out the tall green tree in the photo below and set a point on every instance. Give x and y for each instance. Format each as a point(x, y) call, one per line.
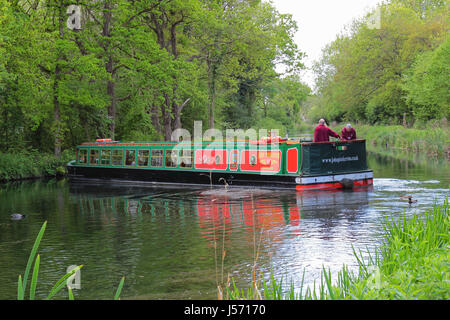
point(360, 74)
point(129, 69)
point(428, 84)
point(266, 42)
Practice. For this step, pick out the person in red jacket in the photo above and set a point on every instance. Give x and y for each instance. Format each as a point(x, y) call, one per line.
point(323, 133)
point(348, 133)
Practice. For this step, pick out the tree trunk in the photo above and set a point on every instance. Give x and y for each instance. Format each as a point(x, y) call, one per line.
point(212, 79)
point(211, 110)
point(57, 79)
point(177, 113)
point(112, 99)
point(154, 114)
point(212, 93)
point(167, 118)
point(110, 86)
point(57, 114)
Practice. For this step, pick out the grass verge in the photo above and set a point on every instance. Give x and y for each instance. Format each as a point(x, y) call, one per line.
point(432, 141)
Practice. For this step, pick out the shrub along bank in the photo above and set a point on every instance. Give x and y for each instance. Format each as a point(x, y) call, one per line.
point(32, 164)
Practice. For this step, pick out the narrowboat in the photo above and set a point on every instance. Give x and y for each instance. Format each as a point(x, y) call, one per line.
point(272, 163)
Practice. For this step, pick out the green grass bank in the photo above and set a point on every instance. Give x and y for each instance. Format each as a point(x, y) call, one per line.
point(32, 164)
point(411, 263)
point(434, 141)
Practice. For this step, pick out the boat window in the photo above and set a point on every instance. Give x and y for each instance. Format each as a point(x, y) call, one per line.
point(130, 157)
point(117, 156)
point(143, 158)
point(186, 158)
point(93, 156)
point(171, 158)
point(217, 160)
point(253, 160)
point(82, 156)
point(105, 158)
point(157, 158)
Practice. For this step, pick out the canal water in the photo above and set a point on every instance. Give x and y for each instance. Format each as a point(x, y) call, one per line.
point(181, 243)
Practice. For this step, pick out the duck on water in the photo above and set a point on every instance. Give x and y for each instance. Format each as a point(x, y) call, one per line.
point(17, 216)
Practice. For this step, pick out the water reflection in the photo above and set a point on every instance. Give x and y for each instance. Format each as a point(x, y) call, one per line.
point(220, 211)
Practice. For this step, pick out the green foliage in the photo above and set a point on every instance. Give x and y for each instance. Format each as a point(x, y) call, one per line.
point(137, 70)
point(119, 289)
point(23, 164)
point(427, 84)
point(278, 105)
point(22, 284)
point(431, 140)
point(386, 74)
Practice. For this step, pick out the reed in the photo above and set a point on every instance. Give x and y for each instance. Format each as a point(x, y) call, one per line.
point(60, 284)
point(430, 140)
point(411, 263)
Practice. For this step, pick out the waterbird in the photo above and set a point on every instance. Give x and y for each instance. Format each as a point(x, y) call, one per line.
point(410, 199)
point(225, 183)
point(17, 216)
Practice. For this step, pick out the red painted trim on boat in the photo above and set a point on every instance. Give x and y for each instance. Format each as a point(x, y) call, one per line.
point(292, 160)
point(332, 185)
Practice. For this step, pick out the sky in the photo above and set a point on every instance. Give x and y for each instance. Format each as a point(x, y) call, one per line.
point(319, 21)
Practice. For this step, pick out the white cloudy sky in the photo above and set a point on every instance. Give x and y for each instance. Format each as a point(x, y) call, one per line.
point(319, 21)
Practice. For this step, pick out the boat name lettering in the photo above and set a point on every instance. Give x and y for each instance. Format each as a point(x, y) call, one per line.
point(341, 159)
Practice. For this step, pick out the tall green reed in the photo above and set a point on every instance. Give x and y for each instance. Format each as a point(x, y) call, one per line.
point(411, 263)
point(60, 284)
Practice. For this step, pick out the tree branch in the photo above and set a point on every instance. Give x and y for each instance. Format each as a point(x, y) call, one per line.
point(181, 106)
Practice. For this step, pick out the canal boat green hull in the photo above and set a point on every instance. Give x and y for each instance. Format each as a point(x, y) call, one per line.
point(280, 164)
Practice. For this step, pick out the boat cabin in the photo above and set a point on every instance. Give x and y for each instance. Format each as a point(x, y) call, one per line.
point(271, 161)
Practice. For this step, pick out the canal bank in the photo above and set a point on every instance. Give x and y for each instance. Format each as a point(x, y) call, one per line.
point(432, 141)
point(24, 165)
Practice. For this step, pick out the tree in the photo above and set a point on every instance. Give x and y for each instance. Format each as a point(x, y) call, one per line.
point(427, 84)
point(283, 102)
point(267, 41)
point(360, 74)
point(138, 69)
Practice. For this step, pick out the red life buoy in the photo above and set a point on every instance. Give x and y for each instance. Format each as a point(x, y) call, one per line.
point(269, 140)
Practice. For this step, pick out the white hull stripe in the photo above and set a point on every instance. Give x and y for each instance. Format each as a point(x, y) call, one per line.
point(334, 178)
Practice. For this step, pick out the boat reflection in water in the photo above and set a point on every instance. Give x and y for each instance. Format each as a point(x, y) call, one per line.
point(220, 211)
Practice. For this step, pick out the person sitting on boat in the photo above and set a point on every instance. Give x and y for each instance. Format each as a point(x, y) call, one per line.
point(322, 132)
point(348, 133)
